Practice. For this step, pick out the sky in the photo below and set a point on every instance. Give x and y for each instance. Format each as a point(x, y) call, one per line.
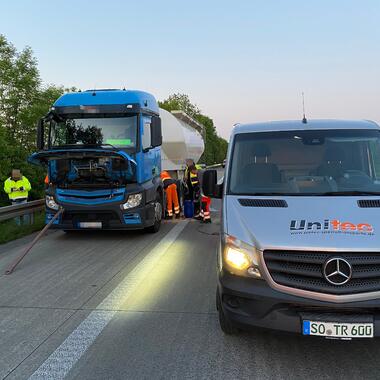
point(239, 61)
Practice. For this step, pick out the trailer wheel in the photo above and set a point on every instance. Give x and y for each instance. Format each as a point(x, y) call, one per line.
point(158, 207)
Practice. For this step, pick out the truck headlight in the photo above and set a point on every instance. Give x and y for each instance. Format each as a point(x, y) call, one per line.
point(241, 258)
point(50, 202)
point(134, 200)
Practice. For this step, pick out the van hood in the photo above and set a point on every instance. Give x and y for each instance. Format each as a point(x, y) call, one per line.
point(335, 223)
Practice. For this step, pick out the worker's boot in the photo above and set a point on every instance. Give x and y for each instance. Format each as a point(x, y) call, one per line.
point(178, 215)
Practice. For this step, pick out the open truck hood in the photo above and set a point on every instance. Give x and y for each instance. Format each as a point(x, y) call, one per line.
point(338, 223)
point(44, 156)
point(86, 168)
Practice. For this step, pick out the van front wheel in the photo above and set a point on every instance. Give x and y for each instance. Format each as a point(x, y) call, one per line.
point(225, 324)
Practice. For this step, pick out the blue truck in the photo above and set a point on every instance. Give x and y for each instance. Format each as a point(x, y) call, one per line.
point(102, 153)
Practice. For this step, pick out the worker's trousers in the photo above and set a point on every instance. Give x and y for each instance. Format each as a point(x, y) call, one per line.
point(205, 210)
point(24, 219)
point(172, 198)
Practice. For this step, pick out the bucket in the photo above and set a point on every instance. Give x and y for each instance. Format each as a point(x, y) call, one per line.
point(188, 208)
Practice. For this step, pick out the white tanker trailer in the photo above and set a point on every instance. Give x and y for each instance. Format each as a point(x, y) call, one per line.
point(182, 138)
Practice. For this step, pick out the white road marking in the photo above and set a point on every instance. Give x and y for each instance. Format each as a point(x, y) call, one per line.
point(60, 362)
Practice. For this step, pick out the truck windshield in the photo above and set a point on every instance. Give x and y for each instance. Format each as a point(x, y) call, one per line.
point(116, 131)
point(314, 162)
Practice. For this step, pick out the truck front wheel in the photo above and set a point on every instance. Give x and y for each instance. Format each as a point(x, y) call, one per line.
point(157, 215)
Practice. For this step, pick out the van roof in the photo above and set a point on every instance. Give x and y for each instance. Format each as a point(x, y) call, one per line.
point(298, 125)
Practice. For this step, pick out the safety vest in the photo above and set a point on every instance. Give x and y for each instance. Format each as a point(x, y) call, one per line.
point(193, 177)
point(17, 194)
point(165, 175)
point(166, 179)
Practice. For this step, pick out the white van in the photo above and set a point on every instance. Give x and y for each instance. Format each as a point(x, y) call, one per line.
point(300, 236)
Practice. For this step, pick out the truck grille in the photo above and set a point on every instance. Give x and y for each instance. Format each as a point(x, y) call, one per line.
point(304, 270)
point(100, 216)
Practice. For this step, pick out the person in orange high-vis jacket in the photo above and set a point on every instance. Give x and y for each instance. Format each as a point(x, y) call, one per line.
point(170, 188)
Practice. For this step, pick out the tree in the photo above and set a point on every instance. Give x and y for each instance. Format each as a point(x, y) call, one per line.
point(215, 146)
point(23, 100)
point(180, 102)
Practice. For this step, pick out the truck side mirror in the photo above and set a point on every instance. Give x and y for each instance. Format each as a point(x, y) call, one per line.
point(40, 135)
point(156, 131)
point(210, 186)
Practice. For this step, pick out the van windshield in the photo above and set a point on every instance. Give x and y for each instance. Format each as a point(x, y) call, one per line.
point(314, 162)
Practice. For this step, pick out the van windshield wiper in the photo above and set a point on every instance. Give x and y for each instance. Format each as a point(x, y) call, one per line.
point(349, 192)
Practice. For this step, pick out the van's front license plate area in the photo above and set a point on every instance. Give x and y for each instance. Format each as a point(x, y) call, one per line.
point(90, 225)
point(338, 329)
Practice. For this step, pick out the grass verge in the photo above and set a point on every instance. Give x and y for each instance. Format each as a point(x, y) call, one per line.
point(9, 230)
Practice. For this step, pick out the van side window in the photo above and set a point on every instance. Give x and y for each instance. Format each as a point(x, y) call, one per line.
point(146, 138)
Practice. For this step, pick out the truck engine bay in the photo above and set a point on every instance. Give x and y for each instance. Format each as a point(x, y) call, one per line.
point(91, 172)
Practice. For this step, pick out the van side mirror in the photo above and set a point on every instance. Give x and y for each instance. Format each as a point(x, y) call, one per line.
point(210, 185)
point(40, 135)
point(156, 131)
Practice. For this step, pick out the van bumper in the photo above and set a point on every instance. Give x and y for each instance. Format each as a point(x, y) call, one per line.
point(250, 303)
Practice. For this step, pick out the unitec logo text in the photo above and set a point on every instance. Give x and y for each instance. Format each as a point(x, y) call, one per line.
point(330, 225)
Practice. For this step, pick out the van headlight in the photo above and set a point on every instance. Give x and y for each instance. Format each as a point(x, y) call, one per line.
point(134, 200)
point(240, 258)
point(50, 202)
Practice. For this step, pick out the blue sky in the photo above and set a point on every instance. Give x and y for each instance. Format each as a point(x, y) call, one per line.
point(240, 61)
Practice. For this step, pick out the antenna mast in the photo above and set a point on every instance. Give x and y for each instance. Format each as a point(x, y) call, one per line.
point(304, 120)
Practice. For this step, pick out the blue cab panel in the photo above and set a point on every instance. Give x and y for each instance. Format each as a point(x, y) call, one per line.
point(107, 97)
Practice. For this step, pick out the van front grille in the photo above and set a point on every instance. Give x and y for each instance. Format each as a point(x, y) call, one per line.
point(304, 270)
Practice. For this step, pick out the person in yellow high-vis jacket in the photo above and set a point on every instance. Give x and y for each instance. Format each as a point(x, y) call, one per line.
point(192, 186)
point(17, 187)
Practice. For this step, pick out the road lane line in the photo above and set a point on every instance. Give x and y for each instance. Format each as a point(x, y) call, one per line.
point(60, 362)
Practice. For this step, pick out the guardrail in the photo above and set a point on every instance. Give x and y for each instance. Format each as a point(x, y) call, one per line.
point(9, 212)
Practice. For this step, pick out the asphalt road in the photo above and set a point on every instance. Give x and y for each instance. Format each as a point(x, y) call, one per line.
point(139, 306)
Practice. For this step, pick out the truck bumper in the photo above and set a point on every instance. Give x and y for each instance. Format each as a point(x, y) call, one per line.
point(110, 217)
point(249, 303)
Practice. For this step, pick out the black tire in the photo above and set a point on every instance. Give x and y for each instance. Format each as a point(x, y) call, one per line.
point(158, 211)
point(225, 324)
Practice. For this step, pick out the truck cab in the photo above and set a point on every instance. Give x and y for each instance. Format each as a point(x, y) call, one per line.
point(299, 248)
point(102, 154)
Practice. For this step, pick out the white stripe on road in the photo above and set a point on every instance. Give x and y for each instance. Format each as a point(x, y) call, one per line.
point(60, 362)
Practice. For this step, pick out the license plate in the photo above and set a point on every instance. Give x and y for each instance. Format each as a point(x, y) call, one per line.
point(90, 224)
point(338, 329)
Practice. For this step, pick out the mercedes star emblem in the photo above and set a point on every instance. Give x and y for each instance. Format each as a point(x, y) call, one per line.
point(337, 271)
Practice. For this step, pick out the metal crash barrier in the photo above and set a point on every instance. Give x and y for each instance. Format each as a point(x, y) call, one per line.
point(10, 212)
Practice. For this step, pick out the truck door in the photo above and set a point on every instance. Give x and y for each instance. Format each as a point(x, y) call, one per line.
point(150, 157)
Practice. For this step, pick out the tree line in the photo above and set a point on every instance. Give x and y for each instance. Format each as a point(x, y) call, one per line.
point(24, 99)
